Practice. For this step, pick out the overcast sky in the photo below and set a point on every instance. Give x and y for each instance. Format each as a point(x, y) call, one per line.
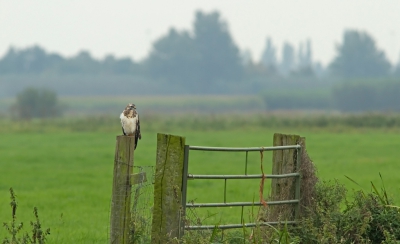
point(128, 28)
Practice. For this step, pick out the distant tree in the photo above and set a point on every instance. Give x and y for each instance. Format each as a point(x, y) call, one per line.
point(358, 56)
point(268, 58)
point(219, 56)
point(305, 55)
point(198, 60)
point(288, 59)
point(246, 57)
point(397, 69)
point(32, 60)
point(10, 63)
point(35, 60)
point(301, 59)
point(36, 103)
point(304, 61)
point(175, 58)
point(82, 63)
point(112, 65)
point(319, 69)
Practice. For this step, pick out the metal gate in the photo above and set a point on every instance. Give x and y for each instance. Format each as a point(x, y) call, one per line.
point(187, 176)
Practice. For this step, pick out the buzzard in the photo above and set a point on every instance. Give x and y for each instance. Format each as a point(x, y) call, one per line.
point(130, 122)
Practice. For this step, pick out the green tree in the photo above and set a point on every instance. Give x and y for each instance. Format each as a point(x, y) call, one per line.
point(305, 56)
point(358, 56)
point(199, 60)
point(397, 69)
point(112, 65)
point(175, 58)
point(220, 57)
point(268, 58)
point(287, 64)
point(82, 63)
point(32, 60)
point(37, 103)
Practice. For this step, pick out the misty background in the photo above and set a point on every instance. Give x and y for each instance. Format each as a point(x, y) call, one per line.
point(204, 60)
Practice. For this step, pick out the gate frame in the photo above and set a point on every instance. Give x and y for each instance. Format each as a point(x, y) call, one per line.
point(187, 176)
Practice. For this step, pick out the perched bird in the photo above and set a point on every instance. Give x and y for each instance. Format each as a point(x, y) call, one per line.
point(130, 122)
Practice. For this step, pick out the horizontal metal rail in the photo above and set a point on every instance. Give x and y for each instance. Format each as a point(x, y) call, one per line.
point(239, 204)
point(242, 149)
point(259, 176)
point(232, 226)
point(245, 176)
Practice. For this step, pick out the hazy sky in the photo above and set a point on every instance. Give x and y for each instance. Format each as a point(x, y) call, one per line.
point(128, 28)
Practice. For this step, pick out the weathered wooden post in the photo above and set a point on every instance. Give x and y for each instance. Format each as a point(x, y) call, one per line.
point(167, 188)
point(284, 162)
point(121, 190)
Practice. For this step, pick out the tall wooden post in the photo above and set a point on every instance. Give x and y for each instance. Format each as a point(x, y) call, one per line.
point(121, 190)
point(283, 162)
point(167, 188)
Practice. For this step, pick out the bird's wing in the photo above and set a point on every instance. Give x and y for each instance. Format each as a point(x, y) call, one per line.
point(137, 132)
point(122, 117)
point(138, 127)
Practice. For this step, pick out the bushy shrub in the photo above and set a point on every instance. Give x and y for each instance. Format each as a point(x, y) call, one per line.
point(36, 103)
point(368, 218)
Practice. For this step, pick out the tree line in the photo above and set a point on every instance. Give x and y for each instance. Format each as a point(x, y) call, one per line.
point(208, 55)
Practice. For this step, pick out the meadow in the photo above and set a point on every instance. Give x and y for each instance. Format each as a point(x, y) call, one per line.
point(64, 167)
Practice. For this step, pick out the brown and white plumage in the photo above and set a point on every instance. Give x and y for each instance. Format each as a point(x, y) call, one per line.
point(130, 122)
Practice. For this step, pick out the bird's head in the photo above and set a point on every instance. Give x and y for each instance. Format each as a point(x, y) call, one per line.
point(131, 106)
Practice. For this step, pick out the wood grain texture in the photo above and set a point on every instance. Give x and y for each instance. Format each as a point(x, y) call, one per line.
point(283, 161)
point(121, 190)
point(167, 188)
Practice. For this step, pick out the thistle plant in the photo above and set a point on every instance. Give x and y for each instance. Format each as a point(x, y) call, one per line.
point(14, 228)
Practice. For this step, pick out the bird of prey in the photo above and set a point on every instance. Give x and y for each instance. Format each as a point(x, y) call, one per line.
point(130, 122)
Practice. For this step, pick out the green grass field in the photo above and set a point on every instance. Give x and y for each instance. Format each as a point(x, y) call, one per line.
point(68, 175)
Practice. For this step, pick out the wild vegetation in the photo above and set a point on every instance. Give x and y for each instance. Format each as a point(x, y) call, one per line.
point(15, 229)
point(366, 217)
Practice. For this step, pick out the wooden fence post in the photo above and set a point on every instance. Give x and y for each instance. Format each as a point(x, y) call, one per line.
point(121, 190)
point(283, 161)
point(167, 188)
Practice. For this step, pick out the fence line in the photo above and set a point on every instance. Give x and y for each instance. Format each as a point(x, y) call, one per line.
point(170, 186)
